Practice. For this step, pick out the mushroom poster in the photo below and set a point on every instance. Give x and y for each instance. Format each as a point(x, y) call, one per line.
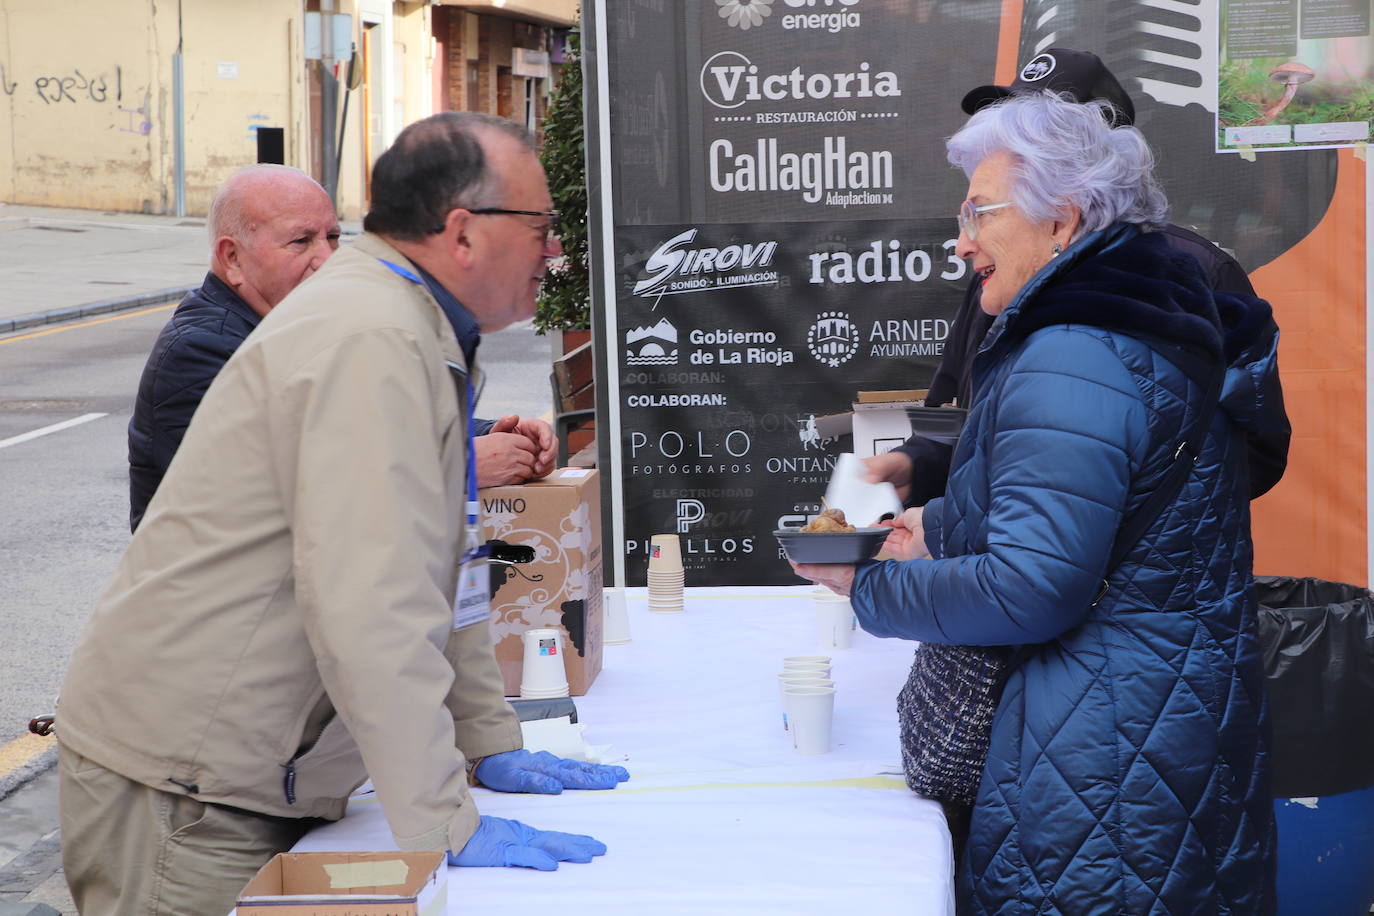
point(1294, 75)
point(773, 221)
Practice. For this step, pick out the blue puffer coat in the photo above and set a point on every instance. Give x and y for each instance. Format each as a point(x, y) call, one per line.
point(1128, 766)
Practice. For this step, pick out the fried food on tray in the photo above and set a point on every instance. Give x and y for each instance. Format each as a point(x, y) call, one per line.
point(831, 520)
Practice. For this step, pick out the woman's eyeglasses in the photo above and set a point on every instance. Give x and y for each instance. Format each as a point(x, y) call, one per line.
point(969, 213)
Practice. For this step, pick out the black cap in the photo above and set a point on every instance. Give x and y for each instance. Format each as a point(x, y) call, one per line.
point(1079, 73)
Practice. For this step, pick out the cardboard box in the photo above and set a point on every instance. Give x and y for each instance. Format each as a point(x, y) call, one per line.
point(560, 518)
point(348, 884)
point(883, 420)
point(881, 426)
point(887, 397)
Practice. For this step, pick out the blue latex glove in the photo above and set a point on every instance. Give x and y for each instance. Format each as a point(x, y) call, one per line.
point(499, 842)
point(544, 774)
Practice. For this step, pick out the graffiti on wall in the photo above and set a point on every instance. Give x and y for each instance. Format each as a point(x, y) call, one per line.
point(73, 87)
point(140, 119)
point(59, 88)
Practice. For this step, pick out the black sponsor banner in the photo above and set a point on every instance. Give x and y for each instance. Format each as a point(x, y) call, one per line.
point(757, 150)
point(732, 339)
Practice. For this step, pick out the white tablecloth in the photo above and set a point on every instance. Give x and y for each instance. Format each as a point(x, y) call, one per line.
point(720, 815)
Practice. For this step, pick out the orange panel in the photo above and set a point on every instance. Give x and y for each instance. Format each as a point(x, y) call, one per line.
point(1313, 523)
point(1008, 42)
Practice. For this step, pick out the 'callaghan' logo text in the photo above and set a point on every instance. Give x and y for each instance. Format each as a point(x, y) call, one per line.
point(836, 174)
point(729, 80)
point(675, 268)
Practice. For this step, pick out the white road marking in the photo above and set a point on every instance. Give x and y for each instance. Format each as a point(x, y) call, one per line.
point(56, 427)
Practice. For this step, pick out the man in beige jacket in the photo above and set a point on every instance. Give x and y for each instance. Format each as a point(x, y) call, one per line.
point(271, 226)
point(302, 606)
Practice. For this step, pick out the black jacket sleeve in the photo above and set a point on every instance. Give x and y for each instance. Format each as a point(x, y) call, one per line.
point(953, 380)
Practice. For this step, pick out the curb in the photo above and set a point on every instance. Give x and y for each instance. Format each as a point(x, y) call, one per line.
point(103, 307)
point(19, 777)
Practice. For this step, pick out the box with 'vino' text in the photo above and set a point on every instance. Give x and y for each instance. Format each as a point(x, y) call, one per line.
point(559, 518)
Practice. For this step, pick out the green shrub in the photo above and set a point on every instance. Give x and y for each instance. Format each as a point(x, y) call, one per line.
point(565, 297)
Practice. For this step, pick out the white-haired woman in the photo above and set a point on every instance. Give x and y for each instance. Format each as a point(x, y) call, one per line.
point(1096, 524)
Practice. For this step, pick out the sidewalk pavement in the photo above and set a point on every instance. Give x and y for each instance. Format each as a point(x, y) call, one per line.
point(58, 264)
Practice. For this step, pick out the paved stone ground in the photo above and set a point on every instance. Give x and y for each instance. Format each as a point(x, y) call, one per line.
point(31, 854)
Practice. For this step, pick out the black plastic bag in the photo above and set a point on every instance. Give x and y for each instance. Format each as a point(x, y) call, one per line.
point(1318, 644)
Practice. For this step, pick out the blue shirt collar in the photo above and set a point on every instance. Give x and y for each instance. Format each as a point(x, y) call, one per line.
point(464, 325)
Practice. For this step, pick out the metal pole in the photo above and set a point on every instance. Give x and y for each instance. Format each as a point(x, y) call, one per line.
point(179, 134)
point(329, 100)
point(348, 91)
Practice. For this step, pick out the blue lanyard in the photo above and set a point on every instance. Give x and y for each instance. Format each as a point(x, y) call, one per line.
point(471, 462)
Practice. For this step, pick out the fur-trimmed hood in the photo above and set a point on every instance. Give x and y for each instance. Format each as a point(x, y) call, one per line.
point(1123, 279)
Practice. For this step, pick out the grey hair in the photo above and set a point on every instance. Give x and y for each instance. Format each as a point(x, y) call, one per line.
point(436, 165)
point(228, 213)
point(1064, 154)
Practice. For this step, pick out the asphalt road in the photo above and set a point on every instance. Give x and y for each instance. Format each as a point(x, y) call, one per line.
point(64, 500)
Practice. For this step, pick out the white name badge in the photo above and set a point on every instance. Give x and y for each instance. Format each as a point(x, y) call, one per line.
point(472, 604)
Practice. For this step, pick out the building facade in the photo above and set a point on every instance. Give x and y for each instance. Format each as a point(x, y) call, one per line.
point(132, 106)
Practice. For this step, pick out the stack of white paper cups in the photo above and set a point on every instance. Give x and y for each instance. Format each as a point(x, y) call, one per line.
point(834, 619)
point(802, 671)
point(616, 620)
point(543, 675)
point(665, 573)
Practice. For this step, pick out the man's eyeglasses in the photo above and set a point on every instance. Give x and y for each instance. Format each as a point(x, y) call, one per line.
point(551, 215)
point(969, 213)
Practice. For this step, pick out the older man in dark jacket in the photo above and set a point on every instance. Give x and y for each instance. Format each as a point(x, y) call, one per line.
point(271, 226)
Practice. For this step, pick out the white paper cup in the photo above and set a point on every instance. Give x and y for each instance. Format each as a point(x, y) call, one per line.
point(810, 711)
point(543, 675)
point(806, 659)
point(789, 679)
point(615, 619)
point(834, 623)
point(811, 668)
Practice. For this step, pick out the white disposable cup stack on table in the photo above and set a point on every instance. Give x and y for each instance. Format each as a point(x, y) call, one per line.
point(812, 664)
point(793, 679)
point(615, 619)
point(665, 575)
point(810, 711)
point(834, 620)
point(543, 675)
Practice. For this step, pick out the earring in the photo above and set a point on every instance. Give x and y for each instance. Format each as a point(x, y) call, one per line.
point(1057, 248)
